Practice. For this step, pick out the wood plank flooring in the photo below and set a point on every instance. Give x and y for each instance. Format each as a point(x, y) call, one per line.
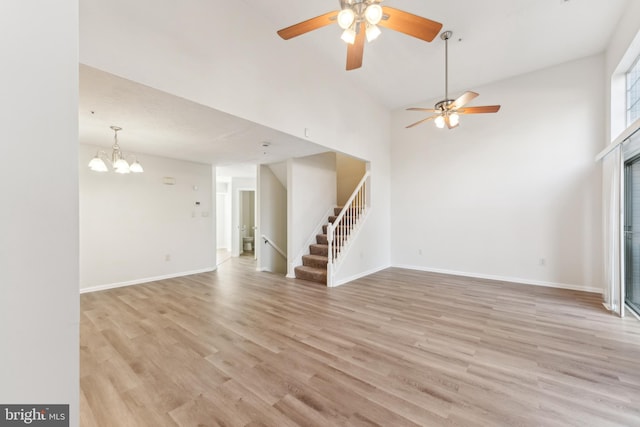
point(398, 348)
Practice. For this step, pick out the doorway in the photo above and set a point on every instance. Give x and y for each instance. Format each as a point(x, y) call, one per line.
point(247, 222)
point(632, 233)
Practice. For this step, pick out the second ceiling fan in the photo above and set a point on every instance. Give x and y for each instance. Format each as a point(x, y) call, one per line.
point(447, 112)
point(360, 19)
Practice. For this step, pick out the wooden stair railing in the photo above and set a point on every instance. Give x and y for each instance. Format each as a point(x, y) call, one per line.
point(340, 227)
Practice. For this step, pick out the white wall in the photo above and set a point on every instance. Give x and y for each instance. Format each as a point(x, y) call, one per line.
point(39, 214)
point(349, 173)
point(151, 45)
point(623, 49)
point(311, 193)
point(273, 221)
point(503, 191)
point(129, 224)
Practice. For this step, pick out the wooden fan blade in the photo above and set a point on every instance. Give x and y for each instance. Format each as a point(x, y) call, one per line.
point(412, 25)
point(480, 110)
point(463, 99)
point(421, 121)
point(308, 25)
point(355, 51)
point(428, 110)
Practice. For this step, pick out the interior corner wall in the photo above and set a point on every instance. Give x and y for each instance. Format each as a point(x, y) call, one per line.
point(349, 173)
point(134, 228)
point(273, 221)
point(311, 192)
point(39, 300)
point(177, 50)
point(512, 196)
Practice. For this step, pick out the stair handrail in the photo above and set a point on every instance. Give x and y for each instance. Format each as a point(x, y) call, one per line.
point(356, 204)
point(274, 246)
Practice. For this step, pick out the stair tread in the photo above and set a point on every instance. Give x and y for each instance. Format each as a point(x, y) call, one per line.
point(316, 257)
point(312, 274)
point(311, 269)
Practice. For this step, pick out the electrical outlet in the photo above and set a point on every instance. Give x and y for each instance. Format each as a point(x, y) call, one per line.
point(542, 262)
point(167, 257)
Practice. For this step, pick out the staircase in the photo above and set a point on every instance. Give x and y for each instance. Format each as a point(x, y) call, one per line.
point(314, 265)
point(325, 256)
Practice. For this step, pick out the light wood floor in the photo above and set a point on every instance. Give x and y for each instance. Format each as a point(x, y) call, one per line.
point(398, 348)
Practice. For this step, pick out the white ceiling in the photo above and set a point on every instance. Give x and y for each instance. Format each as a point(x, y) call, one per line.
point(492, 40)
point(166, 125)
point(499, 39)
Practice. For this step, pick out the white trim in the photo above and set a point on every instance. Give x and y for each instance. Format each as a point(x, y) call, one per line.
point(358, 276)
point(144, 280)
point(504, 279)
point(630, 130)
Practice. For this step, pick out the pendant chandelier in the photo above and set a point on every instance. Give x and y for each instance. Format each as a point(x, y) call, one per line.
point(117, 159)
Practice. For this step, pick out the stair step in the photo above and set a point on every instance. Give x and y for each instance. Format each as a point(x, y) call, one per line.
point(317, 261)
point(314, 266)
point(311, 274)
point(318, 249)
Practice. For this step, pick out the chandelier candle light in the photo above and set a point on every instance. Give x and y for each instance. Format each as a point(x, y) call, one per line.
point(117, 160)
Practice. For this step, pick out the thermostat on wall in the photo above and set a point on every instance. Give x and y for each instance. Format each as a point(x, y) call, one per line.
point(168, 180)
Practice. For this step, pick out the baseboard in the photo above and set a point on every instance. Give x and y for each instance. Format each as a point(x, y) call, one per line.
point(502, 278)
point(358, 276)
point(144, 280)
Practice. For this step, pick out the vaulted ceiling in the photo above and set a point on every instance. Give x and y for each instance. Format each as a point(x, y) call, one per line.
point(492, 40)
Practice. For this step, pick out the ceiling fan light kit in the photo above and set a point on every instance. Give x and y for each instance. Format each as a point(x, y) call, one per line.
point(354, 14)
point(360, 19)
point(447, 112)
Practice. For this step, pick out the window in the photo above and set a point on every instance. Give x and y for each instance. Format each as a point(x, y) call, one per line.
point(633, 93)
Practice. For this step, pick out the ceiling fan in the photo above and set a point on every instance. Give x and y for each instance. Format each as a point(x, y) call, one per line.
point(447, 112)
point(360, 19)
